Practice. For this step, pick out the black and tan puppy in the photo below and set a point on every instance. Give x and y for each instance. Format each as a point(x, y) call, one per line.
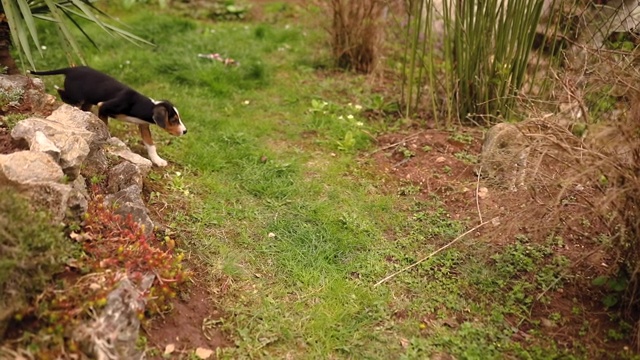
point(85, 87)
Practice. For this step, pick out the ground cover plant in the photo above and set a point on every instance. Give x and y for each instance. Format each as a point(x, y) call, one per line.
point(295, 194)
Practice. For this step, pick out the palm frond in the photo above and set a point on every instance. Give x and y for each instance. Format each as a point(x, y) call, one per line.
point(23, 14)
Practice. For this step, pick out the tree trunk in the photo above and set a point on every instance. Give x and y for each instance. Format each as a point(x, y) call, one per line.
point(6, 60)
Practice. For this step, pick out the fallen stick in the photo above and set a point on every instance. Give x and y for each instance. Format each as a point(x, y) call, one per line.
point(432, 254)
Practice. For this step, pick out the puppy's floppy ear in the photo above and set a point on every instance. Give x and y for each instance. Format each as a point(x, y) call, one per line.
point(160, 116)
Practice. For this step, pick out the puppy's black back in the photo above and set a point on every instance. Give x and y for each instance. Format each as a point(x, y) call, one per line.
point(84, 85)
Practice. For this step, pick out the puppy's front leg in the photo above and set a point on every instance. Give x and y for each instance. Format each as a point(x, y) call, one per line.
point(145, 132)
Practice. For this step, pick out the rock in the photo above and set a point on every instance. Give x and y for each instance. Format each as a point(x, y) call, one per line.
point(41, 143)
point(50, 195)
point(73, 142)
point(28, 167)
point(129, 201)
point(113, 333)
point(28, 94)
point(116, 147)
point(38, 176)
point(95, 163)
point(483, 192)
point(123, 176)
point(504, 156)
point(78, 201)
point(17, 82)
point(84, 123)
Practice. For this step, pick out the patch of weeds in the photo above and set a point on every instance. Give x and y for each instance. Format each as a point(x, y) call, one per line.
point(550, 275)
point(406, 153)
point(178, 184)
point(343, 123)
point(12, 119)
point(427, 148)
point(520, 257)
point(600, 102)
point(466, 158)
point(10, 97)
point(461, 138)
point(97, 179)
point(32, 251)
point(348, 143)
point(623, 331)
point(430, 220)
point(408, 189)
point(447, 169)
point(623, 41)
point(114, 247)
point(378, 105)
point(615, 287)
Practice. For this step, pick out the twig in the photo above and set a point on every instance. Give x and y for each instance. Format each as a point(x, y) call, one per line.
point(401, 162)
point(397, 143)
point(477, 196)
point(431, 255)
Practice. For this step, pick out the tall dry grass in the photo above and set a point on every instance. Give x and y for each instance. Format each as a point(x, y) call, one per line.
point(356, 33)
point(585, 190)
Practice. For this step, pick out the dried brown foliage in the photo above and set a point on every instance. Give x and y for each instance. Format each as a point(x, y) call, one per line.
point(573, 181)
point(356, 33)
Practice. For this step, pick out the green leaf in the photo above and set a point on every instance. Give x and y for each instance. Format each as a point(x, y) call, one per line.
point(29, 21)
point(123, 33)
point(618, 284)
point(610, 300)
point(89, 14)
point(600, 281)
point(16, 27)
point(22, 15)
point(56, 13)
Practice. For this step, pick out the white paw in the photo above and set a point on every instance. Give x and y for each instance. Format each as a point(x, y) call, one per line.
point(159, 162)
point(153, 156)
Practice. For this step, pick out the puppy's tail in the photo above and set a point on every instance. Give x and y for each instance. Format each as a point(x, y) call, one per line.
point(50, 72)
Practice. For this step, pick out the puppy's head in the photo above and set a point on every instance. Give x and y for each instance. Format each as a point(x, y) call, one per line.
point(167, 117)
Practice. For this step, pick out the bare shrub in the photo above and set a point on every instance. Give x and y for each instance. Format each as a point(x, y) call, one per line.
point(572, 180)
point(356, 33)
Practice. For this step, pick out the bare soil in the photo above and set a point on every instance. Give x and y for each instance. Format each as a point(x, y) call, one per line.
point(438, 171)
point(7, 144)
point(191, 324)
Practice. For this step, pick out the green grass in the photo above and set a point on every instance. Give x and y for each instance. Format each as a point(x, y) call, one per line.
point(284, 210)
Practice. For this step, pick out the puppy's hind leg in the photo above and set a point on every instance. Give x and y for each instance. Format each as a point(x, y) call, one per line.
point(145, 132)
point(102, 114)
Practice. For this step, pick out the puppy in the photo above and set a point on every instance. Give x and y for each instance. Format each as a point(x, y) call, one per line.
point(85, 87)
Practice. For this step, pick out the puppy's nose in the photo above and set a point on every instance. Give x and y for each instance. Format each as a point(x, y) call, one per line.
point(184, 131)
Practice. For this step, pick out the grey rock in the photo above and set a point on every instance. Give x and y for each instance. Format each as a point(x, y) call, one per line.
point(40, 142)
point(73, 142)
point(96, 163)
point(505, 152)
point(78, 201)
point(123, 176)
point(83, 122)
point(129, 201)
point(28, 167)
point(116, 147)
point(50, 195)
point(27, 93)
point(113, 333)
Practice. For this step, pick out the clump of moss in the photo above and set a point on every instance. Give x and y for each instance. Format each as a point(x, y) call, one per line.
point(32, 250)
